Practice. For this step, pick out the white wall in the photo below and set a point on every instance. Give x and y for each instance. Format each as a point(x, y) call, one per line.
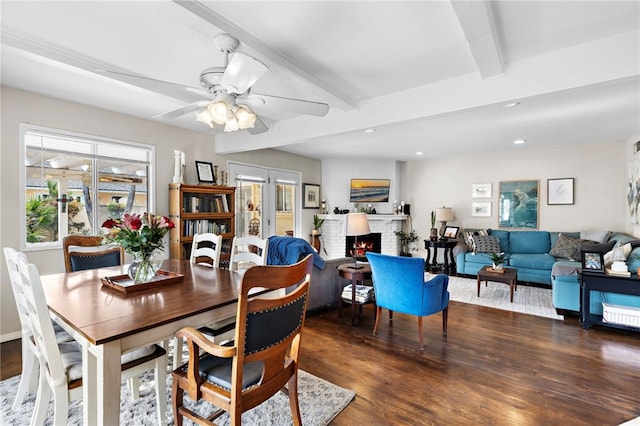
point(19, 106)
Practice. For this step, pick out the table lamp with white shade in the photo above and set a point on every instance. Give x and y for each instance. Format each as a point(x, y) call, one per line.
point(356, 224)
point(444, 215)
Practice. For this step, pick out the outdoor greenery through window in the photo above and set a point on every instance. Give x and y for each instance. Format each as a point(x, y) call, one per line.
point(74, 182)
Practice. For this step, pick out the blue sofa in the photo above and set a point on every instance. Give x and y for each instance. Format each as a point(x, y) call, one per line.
point(529, 252)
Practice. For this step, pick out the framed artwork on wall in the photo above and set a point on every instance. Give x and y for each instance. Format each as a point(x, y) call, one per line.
point(560, 191)
point(481, 190)
point(482, 209)
point(310, 196)
point(518, 206)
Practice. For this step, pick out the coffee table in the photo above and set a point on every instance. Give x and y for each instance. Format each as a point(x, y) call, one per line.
point(509, 276)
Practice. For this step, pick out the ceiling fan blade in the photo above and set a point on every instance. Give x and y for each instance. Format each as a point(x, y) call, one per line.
point(181, 111)
point(153, 84)
point(258, 127)
point(241, 73)
point(298, 106)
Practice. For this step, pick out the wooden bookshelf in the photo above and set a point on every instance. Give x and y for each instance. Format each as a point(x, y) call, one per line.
point(197, 209)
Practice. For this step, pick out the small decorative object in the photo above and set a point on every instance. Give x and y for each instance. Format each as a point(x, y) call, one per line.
point(406, 238)
point(560, 191)
point(323, 207)
point(434, 231)
point(142, 237)
point(315, 233)
point(498, 260)
point(178, 166)
point(311, 196)
point(336, 210)
point(205, 172)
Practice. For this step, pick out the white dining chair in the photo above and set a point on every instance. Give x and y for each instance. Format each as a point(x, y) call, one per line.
point(61, 363)
point(206, 246)
point(29, 375)
point(248, 251)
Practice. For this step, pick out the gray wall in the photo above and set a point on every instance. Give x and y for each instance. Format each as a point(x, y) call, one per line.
point(19, 106)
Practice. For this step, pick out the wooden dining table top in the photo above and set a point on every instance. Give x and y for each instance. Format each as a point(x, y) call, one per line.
point(102, 314)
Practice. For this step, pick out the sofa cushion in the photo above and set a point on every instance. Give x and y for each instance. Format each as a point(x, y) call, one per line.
point(529, 242)
point(469, 237)
point(540, 261)
point(554, 236)
point(503, 237)
point(486, 244)
point(597, 236)
point(566, 247)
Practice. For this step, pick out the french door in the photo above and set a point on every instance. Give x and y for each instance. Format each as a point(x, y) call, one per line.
point(267, 200)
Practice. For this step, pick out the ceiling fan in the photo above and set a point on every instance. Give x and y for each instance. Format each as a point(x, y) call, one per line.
point(227, 92)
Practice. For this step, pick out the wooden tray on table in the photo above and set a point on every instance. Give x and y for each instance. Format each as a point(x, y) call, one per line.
point(124, 284)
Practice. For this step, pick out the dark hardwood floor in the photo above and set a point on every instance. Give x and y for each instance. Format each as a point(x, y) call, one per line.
point(494, 368)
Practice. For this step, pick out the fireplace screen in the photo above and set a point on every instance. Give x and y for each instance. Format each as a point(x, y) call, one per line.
point(366, 243)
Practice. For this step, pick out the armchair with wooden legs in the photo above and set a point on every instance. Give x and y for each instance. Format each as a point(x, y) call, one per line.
point(262, 359)
point(399, 285)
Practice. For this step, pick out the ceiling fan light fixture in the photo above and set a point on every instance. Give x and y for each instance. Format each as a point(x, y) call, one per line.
point(217, 110)
point(232, 124)
point(204, 117)
point(246, 119)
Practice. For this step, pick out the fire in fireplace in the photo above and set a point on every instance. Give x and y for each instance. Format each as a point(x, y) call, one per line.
point(366, 243)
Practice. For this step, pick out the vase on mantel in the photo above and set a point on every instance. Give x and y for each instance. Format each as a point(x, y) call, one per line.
point(144, 267)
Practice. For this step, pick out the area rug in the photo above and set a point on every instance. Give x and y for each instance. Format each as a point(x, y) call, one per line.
point(527, 299)
point(320, 402)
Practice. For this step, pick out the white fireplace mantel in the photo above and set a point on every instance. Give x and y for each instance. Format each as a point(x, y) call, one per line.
point(333, 238)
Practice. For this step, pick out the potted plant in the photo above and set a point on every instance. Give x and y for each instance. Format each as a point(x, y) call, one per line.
point(406, 238)
point(497, 259)
point(433, 235)
point(315, 232)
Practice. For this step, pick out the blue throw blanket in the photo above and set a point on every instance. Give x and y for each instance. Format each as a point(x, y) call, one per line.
point(289, 250)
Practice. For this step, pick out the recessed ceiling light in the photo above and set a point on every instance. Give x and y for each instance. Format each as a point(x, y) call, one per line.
point(511, 104)
point(370, 130)
point(519, 141)
point(419, 153)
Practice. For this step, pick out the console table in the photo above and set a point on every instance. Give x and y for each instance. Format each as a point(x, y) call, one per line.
point(449, 261)
point(611, 284)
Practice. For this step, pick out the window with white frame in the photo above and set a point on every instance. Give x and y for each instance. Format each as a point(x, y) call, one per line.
point(73, 182)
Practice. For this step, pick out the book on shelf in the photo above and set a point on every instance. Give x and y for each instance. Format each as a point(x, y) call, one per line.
point(618, 273)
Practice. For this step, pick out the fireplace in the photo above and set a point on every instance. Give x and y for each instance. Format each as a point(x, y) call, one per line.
point(366, 243)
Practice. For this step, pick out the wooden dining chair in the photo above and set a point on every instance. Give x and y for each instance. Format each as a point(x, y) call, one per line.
point(248, 251)
point(263, 358)
point(61, 363)
point(88, 252)
point(206, 248)
point(30, 366)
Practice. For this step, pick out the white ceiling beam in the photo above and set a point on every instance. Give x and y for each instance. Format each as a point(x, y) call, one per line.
point(273, 58)
point(478, 25)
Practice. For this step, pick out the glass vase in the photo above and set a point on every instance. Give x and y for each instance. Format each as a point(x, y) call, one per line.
point(144, 267)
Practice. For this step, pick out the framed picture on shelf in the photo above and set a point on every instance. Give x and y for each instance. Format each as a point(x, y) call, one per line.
point(481, 190)
point(482, 209)
point(205, 172)
point(560, 191)
point(310, 196)
point(593, 262)
point(451, 232)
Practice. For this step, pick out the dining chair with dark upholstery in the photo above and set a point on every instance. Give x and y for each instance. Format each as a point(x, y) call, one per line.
point(399, 285)
point(88, 252)
point(262, 359)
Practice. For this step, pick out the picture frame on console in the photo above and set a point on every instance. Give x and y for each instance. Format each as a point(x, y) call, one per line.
point(593, 262)
point(310, 196)
point(451, 232)
point(205, 172)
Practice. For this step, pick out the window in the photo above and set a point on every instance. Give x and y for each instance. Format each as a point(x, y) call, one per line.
point(74, 182)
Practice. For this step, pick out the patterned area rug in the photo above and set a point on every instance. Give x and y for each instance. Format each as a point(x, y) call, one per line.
point(320, 402)
point(526, 300)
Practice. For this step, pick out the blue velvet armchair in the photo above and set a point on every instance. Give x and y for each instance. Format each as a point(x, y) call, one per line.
point(399, 285)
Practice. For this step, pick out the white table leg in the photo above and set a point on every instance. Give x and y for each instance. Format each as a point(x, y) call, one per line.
point(89, 403)
point(101, 384)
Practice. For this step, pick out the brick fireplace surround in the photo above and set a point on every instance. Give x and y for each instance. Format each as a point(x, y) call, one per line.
point(333, 238)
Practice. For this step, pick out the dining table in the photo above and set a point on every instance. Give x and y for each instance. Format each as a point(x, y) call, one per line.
point(108, 322)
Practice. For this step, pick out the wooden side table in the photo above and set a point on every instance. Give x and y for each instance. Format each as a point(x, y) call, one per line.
point(356, 276)
point(449, 261)
point(509, 277)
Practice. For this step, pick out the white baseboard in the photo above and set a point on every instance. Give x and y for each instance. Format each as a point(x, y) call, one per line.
point(10, 336)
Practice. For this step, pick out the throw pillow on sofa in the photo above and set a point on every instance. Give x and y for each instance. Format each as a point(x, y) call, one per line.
point(469, 238)
point(486, 244)
point(566, 247)
point(592, 247)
